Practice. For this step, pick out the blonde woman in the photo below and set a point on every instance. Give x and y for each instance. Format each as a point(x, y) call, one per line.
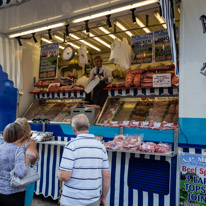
point(14, 138)
point(31, 154)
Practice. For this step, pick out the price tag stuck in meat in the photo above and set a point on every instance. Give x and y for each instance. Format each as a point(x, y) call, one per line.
point(157, 124)
point(125, 123)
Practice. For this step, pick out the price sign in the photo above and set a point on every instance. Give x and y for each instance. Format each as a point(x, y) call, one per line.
point(162, 80)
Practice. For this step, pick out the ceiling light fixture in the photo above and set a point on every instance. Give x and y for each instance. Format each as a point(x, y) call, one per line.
point(142, 25)
point(67, 29)
point(61, 39)
point(109, 21)
point(123, 28)
point(47, 41)
point(19, 40)
point(116, 10)
point(99, 40)
point(85, 42)
point(133, 16)
point(87, 26)
point(160, 19)
point(34, 38)
point(107, 32)
point(36, 30)
point(49, 33)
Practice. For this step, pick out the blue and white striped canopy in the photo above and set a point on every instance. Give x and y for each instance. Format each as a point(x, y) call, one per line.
point(168, 15)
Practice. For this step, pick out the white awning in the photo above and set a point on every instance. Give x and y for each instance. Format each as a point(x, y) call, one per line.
point(10, 60)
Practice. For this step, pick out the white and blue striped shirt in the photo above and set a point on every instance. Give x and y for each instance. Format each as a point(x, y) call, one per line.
point(86, 157)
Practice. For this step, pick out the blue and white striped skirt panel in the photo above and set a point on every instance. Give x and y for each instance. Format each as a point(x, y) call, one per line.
point(119, 193)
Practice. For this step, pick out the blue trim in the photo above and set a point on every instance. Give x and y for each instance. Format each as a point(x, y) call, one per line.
point(173, 181)
point(42, 167)
point(193, 128)
point(53, 171)
point(112, 185)
point(130, 190)
point(47, 170)
point(150, 199)
point(122, 172)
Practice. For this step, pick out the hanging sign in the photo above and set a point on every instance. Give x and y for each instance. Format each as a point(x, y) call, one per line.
point(162, 80)
point(142, 48)
point(162, 46)
point(48, 61)
point(192, 180)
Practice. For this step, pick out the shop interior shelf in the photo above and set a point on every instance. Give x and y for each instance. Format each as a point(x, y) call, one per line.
point(63, 143)
point(167, 154)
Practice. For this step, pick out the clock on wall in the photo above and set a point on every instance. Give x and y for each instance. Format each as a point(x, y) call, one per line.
point(68, 53)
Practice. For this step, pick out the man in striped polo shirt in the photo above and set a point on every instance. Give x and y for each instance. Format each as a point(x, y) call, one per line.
point(84, 168)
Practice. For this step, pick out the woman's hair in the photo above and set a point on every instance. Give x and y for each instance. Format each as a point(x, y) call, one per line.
point(13, 132)
point(23, 122)
point(80, 122)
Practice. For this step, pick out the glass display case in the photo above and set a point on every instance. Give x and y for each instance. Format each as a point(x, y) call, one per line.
point(154, 109)
point(54, 110)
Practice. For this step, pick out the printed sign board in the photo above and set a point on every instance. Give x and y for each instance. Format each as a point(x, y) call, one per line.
point(162, 80)
point(142, 48)
point(192, 180)
point(48, 61)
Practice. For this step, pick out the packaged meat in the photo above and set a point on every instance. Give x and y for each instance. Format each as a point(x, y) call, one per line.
point(35, 90)
point(147, 84)
point(169, 118)
point(175, 119)
point(132, 143)
point(53, 87)
point(137, 80)
point(120, 84)
point(119, 139)
point(175, 80)
point(147, 147)
point(59, 118)
point(162, 148)
point(172, 109)
point(161, 67)
point(129, 80)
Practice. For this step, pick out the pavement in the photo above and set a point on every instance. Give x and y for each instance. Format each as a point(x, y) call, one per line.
point(40, 200)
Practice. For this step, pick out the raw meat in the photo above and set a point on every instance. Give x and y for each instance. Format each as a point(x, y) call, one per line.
point(162, 148)
point(59, 118)
point(120, 139)
point(172, 109)
point(148, 147)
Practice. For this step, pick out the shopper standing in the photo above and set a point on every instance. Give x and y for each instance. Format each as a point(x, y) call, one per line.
point(13, 137)
point(84, 168)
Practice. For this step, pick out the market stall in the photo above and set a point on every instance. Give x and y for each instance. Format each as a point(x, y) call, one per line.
point(144, 101)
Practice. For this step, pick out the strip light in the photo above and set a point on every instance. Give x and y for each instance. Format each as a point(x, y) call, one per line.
point(61, 39)
point(123, 29)
point(142, 25)
point(36, 30)
point(85, 42)
point(99, 40)
point(107, 32)
point(160, 19)
point(112, 11)
point(47, 41)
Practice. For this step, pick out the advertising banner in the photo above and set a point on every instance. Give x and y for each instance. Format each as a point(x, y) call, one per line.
point(162, 46)
point(192, 180)
point(48, 61)
point(142, 48)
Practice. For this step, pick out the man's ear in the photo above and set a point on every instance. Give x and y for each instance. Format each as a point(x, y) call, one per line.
point(74, 131)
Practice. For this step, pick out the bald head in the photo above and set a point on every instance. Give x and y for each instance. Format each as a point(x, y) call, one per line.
point(80, 122)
